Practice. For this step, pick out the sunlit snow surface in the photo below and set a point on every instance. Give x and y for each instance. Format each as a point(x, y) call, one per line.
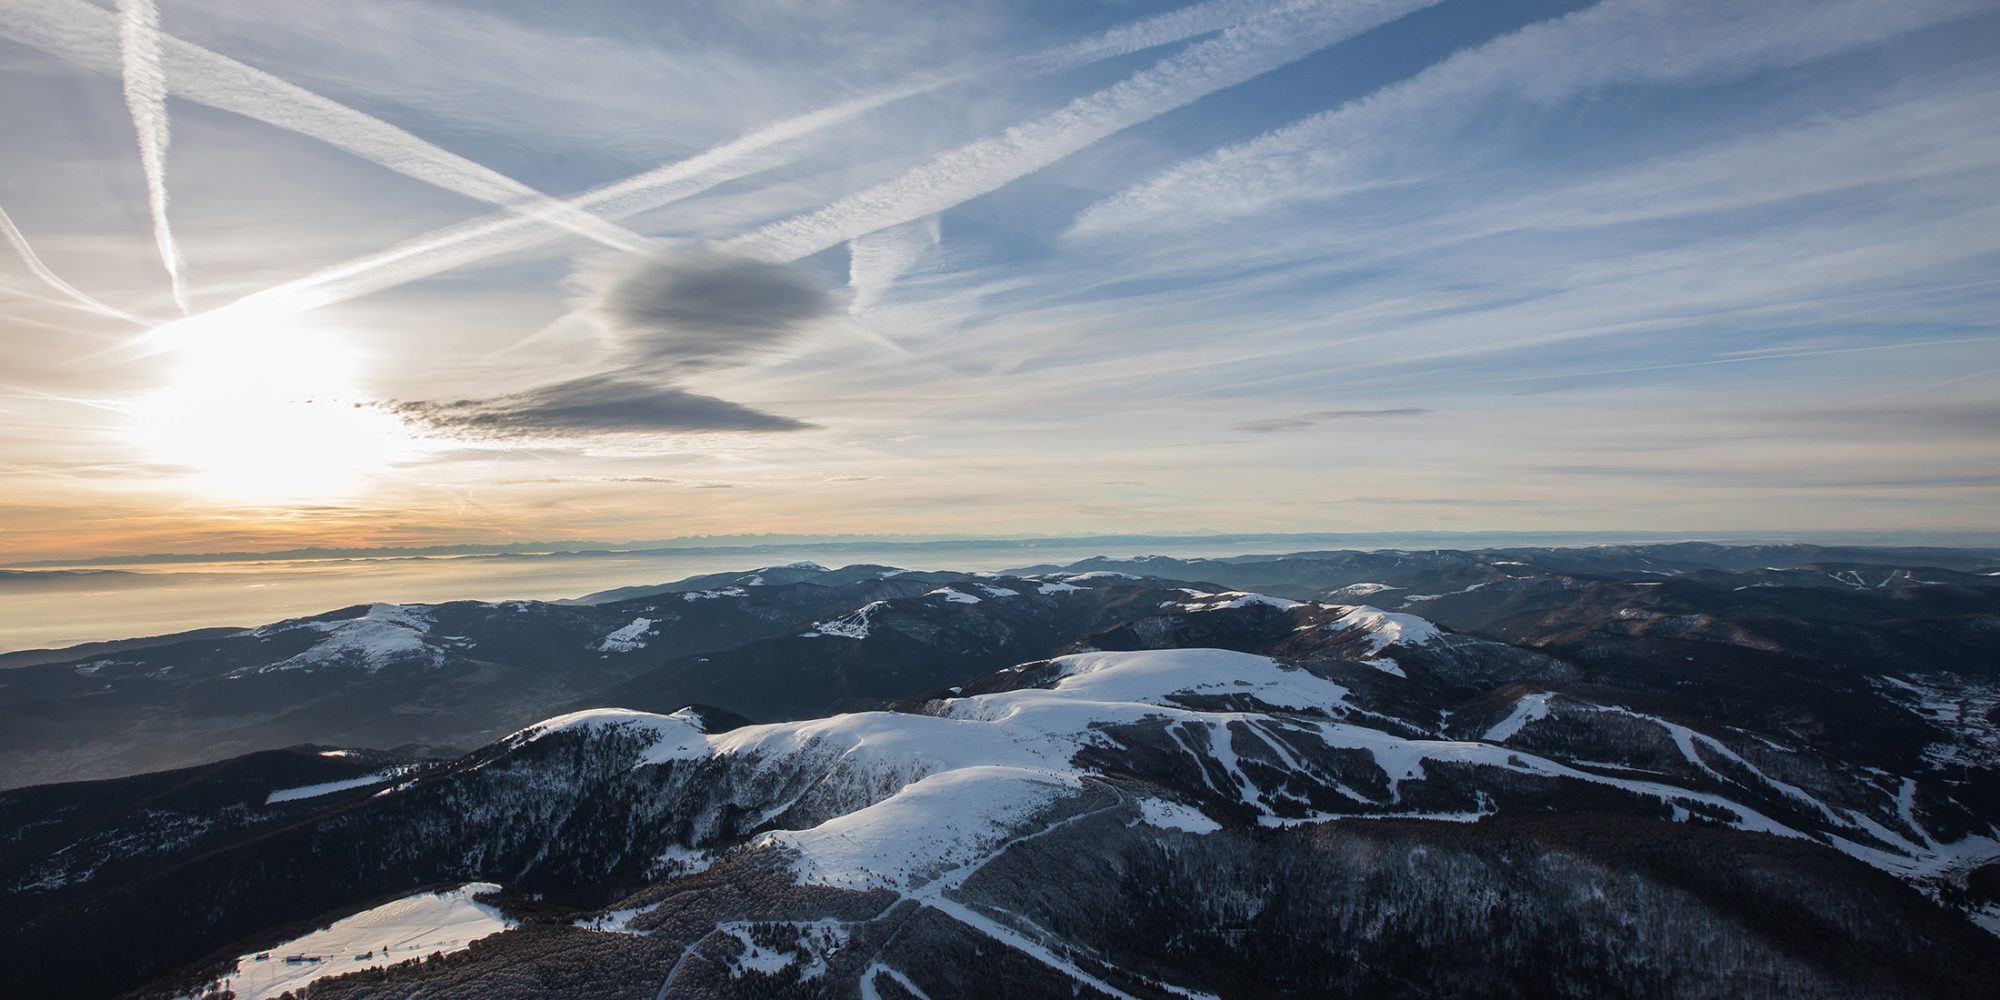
point(937, 795)
point(329, 787)
point(387, 633)
point(411, 927)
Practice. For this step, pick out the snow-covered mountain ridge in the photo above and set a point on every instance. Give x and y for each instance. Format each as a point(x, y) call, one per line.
point(1093, 780)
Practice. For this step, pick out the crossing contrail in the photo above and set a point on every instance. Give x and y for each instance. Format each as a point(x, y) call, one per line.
point(89, 36)
point(1285, 34)
point(146, 99)
point(53, 279)
point(469, 242)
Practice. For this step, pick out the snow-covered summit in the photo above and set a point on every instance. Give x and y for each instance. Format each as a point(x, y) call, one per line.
point(1386, 628)
point(1233, 599)
point(384, 634)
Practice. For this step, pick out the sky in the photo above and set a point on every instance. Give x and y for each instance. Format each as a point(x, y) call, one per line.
point(413, 273)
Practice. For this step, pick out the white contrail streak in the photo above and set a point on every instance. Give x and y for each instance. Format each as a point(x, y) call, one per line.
point(875, 260)
point(53, 279)
point(1287, 33)
point(480, 239)
point(146, 99)
point(1610, 42)
point(85, 35)
point(1149, 33)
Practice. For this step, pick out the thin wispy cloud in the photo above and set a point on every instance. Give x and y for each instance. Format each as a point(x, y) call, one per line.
point(1308, 421)
point(1191, 21)
point(146, 98)
point(1612, 42)
point(53, 280)
point(470, 243)
point(1283, 35)
point(483, 239)
point(877, 259)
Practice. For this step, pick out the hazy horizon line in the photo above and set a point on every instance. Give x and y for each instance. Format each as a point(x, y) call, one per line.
point(752, 542)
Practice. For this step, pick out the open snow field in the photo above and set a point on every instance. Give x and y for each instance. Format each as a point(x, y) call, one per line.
point(411, 927)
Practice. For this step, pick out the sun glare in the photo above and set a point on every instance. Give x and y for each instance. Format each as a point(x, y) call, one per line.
point(266, 413)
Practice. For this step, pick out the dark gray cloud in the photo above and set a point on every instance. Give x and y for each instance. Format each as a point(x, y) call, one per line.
point(1306, 421)
point(674, 312)
point(608, 403)
point(694, 309)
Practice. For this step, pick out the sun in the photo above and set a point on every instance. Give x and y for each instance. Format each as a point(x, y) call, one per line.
point(266, 412)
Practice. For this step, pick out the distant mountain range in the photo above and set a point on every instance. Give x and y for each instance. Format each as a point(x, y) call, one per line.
point(1660, 770)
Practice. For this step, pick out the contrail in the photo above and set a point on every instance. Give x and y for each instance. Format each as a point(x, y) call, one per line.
point(1609, 42)
point(466, 243)
point(85, 35)
point(877, 259)
point(479, 239)
point(53, 279)
point(1173, 26)
point(1286, 34)
point(146, 99)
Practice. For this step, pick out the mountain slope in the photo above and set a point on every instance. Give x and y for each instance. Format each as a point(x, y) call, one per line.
point(1103, 768)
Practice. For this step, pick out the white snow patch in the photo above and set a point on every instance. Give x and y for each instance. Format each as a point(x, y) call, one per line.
point(942, 822)
point(869, 991)
point(852, 625)
point(1175, 816)
point(998, 592)
point(614, 922)
point(1057, 588)
point(677, 860)
point(411, 927)
point(330, 787)
point(628, 638)
point(1414, 598)
point(953, 596)
point(1529, 708)
point(710, 595)
point(815, 941)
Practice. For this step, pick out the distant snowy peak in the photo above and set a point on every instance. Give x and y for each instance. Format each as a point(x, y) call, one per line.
point(679, 733)
point(383, 635)
point(1234, 599)
point(1383, 629)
